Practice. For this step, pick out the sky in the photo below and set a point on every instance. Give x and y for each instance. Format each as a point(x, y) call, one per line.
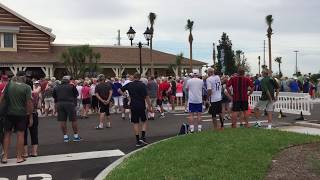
point(296, 26)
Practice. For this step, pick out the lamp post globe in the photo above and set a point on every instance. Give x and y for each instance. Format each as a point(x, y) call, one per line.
point(131, 33)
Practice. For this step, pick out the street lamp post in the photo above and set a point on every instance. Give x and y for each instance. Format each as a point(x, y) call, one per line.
point(147, 34)
point(296, 62)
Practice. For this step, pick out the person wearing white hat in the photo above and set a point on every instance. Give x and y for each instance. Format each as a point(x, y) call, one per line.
point(194, 87)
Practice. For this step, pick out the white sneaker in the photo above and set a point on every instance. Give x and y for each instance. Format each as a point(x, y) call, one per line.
point(269, 126)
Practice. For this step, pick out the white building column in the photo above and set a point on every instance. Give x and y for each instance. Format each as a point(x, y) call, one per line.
point(51, 72)
point(118, 71)
point(46, 71)
point(14, 69)
point(144, 70)
point(175, 71)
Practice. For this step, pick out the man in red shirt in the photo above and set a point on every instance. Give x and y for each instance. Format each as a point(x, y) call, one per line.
point(3, 83)
point(240, 87)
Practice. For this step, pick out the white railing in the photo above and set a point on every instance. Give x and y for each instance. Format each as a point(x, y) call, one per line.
point(292, 103)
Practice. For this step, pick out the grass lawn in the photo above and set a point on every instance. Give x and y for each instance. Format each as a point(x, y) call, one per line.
point(231, 154)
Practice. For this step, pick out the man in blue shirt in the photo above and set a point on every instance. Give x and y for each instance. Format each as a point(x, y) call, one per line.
point(294, 87)
point(117, 97)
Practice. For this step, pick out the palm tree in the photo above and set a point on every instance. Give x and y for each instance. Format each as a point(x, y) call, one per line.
point(279, 61)
point(152, 17)
point(269, 21)
point(189, 27)
point(179, 59)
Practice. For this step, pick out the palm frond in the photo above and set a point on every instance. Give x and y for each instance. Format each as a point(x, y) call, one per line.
point(152, 17)
point(189, 25)
point(269, 20)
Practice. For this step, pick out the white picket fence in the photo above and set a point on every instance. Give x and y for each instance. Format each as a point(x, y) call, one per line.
point(292, 103)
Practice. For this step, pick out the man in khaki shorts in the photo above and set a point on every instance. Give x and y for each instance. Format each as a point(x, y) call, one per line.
point(267, 100)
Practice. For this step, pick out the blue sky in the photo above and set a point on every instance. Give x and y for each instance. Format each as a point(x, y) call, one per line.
point(296, 25)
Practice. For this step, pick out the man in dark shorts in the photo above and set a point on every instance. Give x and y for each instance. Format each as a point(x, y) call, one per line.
point(214, 95)
point(104, 94)
point(139, 98)
point(19, 100)
point(240, 86)
point(65, 96)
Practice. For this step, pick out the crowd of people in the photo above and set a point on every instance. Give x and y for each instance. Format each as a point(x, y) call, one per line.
point(136, 98)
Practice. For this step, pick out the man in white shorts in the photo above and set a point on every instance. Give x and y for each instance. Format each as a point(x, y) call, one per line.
point(194, 87)
point(117, 97)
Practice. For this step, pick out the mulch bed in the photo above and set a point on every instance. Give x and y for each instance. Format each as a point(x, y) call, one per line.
point(297, 162)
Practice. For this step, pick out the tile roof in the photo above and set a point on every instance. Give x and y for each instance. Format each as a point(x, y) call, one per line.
point(109, 55)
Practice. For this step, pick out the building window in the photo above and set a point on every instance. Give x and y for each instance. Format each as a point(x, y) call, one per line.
point(8, 41)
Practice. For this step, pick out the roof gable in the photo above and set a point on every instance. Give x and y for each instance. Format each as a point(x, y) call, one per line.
point(39, 27)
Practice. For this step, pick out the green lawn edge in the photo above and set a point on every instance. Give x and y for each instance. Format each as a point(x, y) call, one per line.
point(230, 154)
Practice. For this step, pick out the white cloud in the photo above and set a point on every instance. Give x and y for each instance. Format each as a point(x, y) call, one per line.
point(296, 25)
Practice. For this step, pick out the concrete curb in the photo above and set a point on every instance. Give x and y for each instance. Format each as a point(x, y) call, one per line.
point(113, 165)
point(307, 124)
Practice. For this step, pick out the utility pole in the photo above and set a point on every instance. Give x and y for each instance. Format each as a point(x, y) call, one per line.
point(264, 52)
point(296, 62)
point(119, 38)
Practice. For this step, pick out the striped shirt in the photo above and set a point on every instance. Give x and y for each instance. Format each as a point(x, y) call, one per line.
point(240, 85)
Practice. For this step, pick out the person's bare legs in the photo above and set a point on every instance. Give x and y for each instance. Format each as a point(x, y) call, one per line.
point(108, 121)
point(199, 121)
point(234, 116)
point(101, 119)
point(25, 151)
point(269, 119)
point(20, 145)
point(6, 144)
point(173, 103)
point(63, 125)
point(75, 127)
point(214, 122)
point(191, 121)
point(34, 150)
point(245, 118)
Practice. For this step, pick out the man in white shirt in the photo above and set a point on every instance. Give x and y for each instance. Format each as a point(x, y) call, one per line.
point(194, 87)
point(214, 96)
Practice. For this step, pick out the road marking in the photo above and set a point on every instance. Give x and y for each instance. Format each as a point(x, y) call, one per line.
point(184, 114)
point(65, 157)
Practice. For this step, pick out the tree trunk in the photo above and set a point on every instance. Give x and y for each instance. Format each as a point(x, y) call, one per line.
point(279, 69)
point(270, 62)
point(191, 67)
point(151, 60)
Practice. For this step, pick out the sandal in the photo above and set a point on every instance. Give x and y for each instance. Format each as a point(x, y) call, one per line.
point(4, 161)
point(23, 160)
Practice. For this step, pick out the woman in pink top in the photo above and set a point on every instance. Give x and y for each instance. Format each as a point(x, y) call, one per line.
point(179, 93)
point(85, 96)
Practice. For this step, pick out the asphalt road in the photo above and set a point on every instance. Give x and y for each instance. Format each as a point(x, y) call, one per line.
point(119, 137)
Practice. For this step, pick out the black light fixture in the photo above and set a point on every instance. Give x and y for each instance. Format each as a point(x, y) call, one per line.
point(148, 34)
point(131, 33)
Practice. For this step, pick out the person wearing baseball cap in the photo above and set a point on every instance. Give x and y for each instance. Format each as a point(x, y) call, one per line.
point(18, 96)
point(194, 87)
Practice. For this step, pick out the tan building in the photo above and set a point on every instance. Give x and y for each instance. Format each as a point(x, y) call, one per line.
point(27, 46)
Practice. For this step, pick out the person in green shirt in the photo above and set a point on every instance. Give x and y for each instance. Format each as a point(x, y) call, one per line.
point(19, 113)
point(266, 102)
